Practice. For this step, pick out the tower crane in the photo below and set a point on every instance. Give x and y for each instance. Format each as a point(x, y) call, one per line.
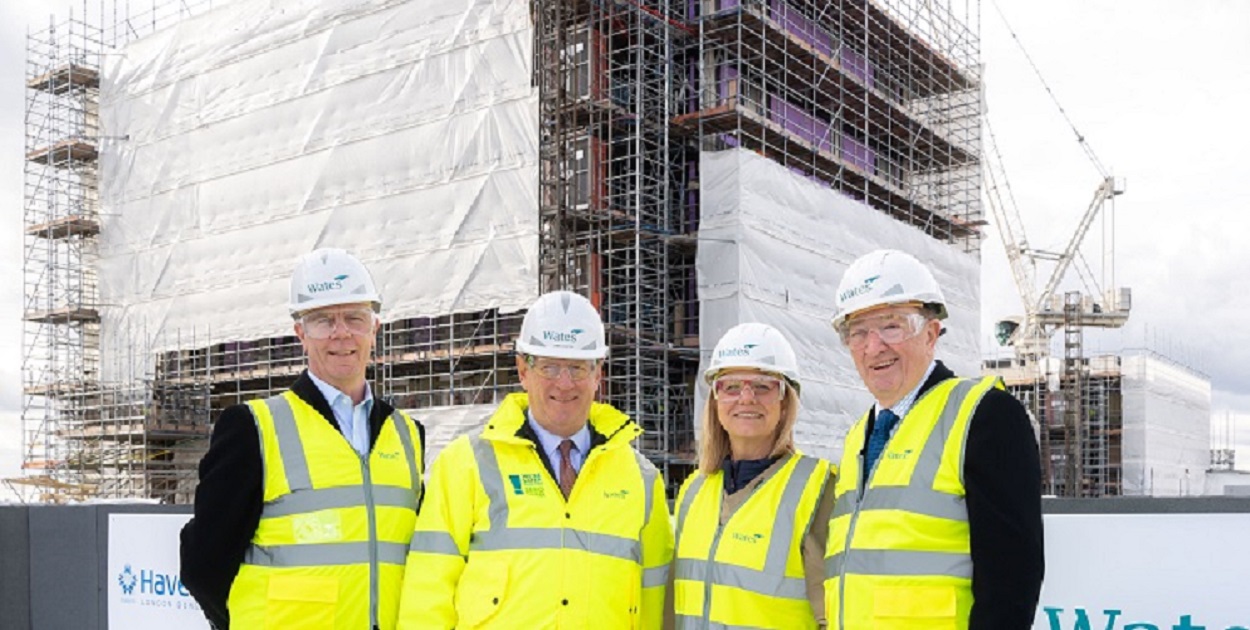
point(1044, 311)
point(1076, 434)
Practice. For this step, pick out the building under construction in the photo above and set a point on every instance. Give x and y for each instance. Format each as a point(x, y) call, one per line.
point(1132, 424)
point(687, 165)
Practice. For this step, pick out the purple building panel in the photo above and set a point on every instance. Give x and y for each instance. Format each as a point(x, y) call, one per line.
point(858, 154)
point(800, 26)
point(728, 76)
point(812, 130)
point(857, 64)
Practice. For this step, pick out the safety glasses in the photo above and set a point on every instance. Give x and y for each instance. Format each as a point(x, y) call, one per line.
point(762, 389)
point(579, 371)
point(891, 328)
point(322, 324)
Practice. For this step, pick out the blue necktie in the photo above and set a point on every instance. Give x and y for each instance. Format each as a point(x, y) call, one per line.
point(877, 439)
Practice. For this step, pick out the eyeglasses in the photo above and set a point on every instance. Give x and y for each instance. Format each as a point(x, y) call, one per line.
point(891, 328)
point(321, 325)
point(764, 389)
point(577, 371)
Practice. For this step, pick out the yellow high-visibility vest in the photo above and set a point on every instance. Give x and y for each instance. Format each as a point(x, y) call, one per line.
point(899, 555)
point(334, 529)
point(750, 572)
point(498, 546)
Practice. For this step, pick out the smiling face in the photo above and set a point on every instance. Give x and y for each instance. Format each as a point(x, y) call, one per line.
point(892, 370)
point(749, 405)
point(339, 353)
point(560, 391)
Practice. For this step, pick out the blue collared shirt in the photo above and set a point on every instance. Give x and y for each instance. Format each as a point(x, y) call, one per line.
point(550, 443)
point(352, 419)
point(904, 405)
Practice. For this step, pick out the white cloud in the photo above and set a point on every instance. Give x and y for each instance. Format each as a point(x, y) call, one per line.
point(1160, 92)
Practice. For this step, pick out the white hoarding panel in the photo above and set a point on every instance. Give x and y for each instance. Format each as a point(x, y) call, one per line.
point(1146, 572)
point(773, 247)
point(144, 590)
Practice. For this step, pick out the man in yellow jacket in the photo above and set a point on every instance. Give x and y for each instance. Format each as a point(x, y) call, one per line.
point(549, 518)
point(937, 519)
point(307, 499)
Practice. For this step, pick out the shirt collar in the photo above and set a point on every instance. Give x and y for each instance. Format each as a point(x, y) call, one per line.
point(332, 393)
point(551, 442)
point(904, 405)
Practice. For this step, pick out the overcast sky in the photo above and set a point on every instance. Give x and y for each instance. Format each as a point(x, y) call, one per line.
point(1160, 90)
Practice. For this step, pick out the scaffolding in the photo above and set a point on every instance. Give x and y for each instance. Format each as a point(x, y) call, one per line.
point(1077, 404)
point(83, 436)
point(616, 221)
point(880, 101)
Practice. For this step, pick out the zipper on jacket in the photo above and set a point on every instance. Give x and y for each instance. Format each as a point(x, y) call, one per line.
point(850, 535)
point(371, 517)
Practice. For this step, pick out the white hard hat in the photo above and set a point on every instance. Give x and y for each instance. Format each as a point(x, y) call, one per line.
point(757, 346)
point(562, 325)
point(331, 276)
point(883, 277)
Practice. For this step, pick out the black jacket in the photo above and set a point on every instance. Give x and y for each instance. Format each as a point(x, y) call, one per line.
point(1003, 479)
point(229, 496)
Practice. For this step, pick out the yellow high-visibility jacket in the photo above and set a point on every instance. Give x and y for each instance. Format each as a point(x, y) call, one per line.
point(899, 553)
point(497, 545)
point(749, 573)
point(334, 528)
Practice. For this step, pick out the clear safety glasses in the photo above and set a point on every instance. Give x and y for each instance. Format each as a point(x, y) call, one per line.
point(763, 389)
point(578, 371)
point(891, 328)
point(322, 324)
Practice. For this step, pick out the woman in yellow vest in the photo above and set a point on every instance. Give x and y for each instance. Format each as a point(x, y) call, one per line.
point(752, 520)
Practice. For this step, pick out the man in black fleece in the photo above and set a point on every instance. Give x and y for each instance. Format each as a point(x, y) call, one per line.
point(940, 481)
point(329, 454)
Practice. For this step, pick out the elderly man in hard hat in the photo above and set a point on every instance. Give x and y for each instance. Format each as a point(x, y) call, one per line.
point(549, 518)
point(751, 521)
point(307, 500)
point(937, 521)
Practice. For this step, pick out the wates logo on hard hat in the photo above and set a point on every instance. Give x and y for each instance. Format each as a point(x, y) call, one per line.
point(562, 337)
point(329, 285)
point(740, 351)
point(863, 288)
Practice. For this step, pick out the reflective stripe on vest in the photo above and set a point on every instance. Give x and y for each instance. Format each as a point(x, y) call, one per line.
point(916, 498)
point(303, 498)
point(537, 538)
point(771, 581)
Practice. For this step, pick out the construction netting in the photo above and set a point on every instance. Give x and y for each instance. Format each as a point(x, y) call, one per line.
point(1166, 444)
point(773, 246)
point(242, 138)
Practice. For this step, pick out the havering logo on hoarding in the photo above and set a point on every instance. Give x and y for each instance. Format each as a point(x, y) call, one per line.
point(150, 582)
point(127, 580)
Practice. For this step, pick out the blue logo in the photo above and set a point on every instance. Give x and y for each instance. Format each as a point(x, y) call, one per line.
point(150, 582)
point(1082, 622)
point(863, 288)
point(562, 337)
point(341, 278)
point(743, 351)
point(318, 287)
point(527, 485)
point(127, 580)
